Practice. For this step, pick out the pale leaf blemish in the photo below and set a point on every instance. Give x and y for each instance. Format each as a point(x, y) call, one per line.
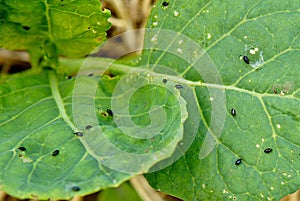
point(225, 191)
point(154, 38)
point(155, 23)
point(209, 36)
point(180, 42)
point(252, 51)
point(257, 145)
point(278, 126)
point(176, 13)
point(259, 62)
point(179, 50)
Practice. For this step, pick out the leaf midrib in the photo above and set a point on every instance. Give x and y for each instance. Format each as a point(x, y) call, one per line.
point(58, 100)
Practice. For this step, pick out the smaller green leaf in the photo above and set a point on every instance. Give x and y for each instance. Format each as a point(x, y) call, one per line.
point(123, 192)
point(50, 28)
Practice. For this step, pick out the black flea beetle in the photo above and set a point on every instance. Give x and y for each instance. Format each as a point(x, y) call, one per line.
point(55, 152)
point(268, 150)
point(246, 59)
point(238, 161)
point(165, 4)
point(75, 188)
point(178, 86)
point(22, 148)
point(88, 127)
point(80, 134)
point(26, 28)
point(233, 112)
point(109, 112)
